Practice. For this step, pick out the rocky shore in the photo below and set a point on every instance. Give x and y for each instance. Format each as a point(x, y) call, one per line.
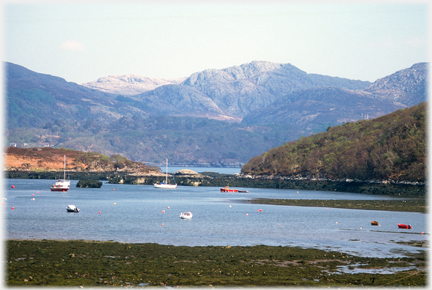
point(187, 177)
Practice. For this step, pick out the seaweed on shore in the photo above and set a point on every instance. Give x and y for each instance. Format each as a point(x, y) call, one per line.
point(91, 263)
point(411, 205)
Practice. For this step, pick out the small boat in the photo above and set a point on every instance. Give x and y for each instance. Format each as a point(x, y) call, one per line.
point(186, 215)
point(61, 185)
point(244, 191)
point(227, 189)
point(402, 226)
point(165, 184)
point(72, 208)
point(374, 223)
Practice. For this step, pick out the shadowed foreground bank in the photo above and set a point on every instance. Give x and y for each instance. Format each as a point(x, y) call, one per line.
point(90, 263)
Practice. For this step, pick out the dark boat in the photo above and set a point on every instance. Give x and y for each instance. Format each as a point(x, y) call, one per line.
point(374, 223)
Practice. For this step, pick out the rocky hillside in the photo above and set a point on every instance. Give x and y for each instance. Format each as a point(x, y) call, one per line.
point(391, 147)
point(407, 86)
point(129, 84)
point(316, 109)
point(239, 90)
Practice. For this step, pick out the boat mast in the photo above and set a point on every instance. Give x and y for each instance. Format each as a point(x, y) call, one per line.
point(166, 172)
point(64, 167)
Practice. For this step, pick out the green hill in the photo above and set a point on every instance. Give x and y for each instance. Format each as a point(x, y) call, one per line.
point(391, 147)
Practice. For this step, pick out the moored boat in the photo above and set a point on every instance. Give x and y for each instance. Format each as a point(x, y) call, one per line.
point(165, 184)
point(72, 208)
point(186, 215)
point(374, 223)
point(62, 184)
point(403, 226)
point(227, 189)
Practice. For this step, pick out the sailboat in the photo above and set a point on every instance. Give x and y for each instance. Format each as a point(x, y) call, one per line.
point(61, 185)
point(166, 184)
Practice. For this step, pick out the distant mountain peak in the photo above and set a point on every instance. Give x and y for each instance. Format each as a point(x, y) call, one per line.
point(130, 84)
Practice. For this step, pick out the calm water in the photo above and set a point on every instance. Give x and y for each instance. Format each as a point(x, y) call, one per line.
point(172, 169)
point(133, 213)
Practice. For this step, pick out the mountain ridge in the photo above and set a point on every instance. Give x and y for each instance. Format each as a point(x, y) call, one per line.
point(175, 121)
point(401, 89)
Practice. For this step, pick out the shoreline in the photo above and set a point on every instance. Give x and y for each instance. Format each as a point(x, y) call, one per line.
point(221, 180)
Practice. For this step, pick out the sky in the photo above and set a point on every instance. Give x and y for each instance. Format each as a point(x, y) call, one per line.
point(83, 41)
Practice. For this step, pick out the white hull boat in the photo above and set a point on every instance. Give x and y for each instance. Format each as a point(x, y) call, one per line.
point(72, 208)
point(62, 184)
point(186, 215)
point(165, 184)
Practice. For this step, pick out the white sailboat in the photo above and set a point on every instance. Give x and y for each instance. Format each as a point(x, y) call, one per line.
point(62, 185)
point(166, 184)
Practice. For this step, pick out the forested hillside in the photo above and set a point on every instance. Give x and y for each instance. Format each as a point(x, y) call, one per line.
point(391, 147)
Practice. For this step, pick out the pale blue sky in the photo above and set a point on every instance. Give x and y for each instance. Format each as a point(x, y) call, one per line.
point(83, 42)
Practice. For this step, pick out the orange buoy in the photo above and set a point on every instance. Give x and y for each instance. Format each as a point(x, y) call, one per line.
point(246, 214)
point(113, 188)
point(168, 207)
point(163, 211)
point(13, 186)
point(162, 224)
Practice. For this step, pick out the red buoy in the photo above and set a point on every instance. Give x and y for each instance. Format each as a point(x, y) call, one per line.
point(13, 186)
point(162, 224)
point(99, 212)
point(163, 211)
point(12, 208)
